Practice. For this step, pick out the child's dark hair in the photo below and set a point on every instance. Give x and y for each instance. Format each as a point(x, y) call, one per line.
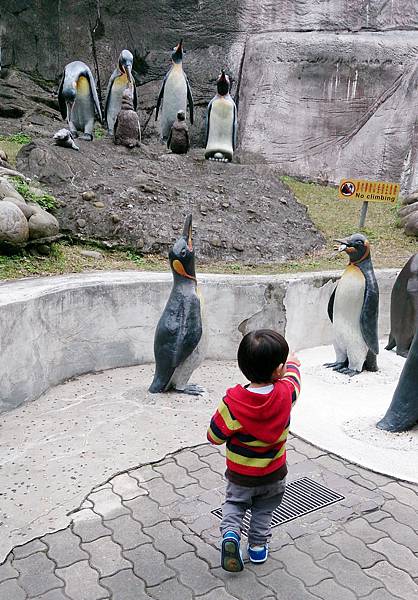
point(260, 353)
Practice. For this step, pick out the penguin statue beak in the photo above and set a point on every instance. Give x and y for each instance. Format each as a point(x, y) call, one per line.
point(188, 233)
point(342, 245)
point(128, 71)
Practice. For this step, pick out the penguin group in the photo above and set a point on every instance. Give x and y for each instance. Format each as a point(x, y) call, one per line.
point(80, 104)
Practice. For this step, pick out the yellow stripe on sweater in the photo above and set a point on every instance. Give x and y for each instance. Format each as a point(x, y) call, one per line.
point(251, 461)
point(232, 424)
point(215, 438)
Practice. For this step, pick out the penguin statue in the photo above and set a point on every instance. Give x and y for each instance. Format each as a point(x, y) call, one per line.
point(180, 340)
point(127, 130)
point(175, 93)
point(120, 80)
point(78, 100)
point(64, 138)
point(221, 123)
point(353, 309)
point(404, 308)
point(178, 140)
point(402, 413)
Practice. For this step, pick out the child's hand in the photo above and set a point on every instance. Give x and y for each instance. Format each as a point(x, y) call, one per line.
point(293, 358)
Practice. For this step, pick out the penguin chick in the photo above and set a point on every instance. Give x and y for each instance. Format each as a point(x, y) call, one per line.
point(64, 138)
point(180, 340)
point(178, 140)
point(127, 131)
point(353, 309)
point(221, 123)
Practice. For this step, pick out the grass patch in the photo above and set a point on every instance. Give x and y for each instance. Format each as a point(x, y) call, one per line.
point(46, 201)
point(99, 133)
point(16, 138)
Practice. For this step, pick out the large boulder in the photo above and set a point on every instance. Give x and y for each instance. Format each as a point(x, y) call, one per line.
point(14, 227)
point(26, 209)
point(42, 224)
point(8, 191)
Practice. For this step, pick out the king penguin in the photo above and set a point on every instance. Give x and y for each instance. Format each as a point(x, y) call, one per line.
point(353, 309)
point(175, 93)
point(78, 100)
point(221, 123)
point(180, 340)
point(120, 80)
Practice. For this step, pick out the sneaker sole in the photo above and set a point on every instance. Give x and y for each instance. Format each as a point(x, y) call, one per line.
point(231, 558)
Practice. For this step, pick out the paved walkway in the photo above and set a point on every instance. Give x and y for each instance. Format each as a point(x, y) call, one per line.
point(149, 533)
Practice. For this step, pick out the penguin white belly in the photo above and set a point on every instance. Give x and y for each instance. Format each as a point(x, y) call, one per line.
point(175, 99)
point(115, 100)
point(83, 109)
point(221, 128)
point(348, 305)
point(184, 371)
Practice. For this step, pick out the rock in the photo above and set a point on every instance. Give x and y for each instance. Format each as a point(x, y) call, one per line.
point(44, 249)
point(81, 223)
point(43, 224)
point(216, 242)
point(238, 247)
point(8, 191)
point(36, 191)
point(411, 224)
point(225, 204)
point(98, 204)
point(35, 208)
point(13, 224)
point(26, 209)
point(407, 210)
point(3, 156)
point(115, 218)
point(411, 199)
point(88, 196)
point(91, 254)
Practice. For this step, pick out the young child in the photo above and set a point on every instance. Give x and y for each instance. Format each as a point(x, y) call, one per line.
point(254, 422)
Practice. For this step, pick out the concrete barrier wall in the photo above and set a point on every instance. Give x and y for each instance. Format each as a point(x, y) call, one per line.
point(55, 328)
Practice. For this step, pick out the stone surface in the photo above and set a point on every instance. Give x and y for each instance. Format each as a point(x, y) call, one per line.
point(13, 224)
point(43, 224)
point(27, 210)
point(8, 191)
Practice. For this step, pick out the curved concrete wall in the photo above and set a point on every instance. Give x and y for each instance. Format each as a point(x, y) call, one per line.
point(52, 329)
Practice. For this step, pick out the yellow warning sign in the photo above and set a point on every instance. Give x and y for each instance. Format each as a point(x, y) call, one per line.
point(368, 191)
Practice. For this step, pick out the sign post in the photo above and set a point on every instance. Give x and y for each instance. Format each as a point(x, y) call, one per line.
point(368, 191)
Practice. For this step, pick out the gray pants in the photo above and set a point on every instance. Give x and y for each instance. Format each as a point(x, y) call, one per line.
point(262, 500)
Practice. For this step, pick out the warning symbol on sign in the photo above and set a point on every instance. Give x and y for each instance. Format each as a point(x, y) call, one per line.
point(347, 188)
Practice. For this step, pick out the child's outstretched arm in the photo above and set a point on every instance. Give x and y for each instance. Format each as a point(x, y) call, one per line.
point(222, 425)
point(292, 375)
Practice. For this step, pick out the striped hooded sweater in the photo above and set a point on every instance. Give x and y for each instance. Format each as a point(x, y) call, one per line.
point(255, 428)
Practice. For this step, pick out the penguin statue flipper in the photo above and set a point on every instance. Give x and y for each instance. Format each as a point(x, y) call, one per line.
point(331, 306)
point(190, 101)
point(368, 318)
point(160, 97)
point(93, 91)
point(235, 129)
point(208, 121)
point(61, 99)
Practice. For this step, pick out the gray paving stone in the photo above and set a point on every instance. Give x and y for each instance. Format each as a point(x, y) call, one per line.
point(382, 594)
point(106, 557)
point(190, 491)
point(81, 581)
point(245, 585)
point(190, 461)
point(127, 487)
point(272, 564)
point(7, 571)
point(294, 458)
point(377, 478)
point(313, 545)
point(398, 555)
point(89, 526)
point(172, 589)
point(403, 534)
point(354, 549)
point(125, 586)
point(402, 513)
point(146, 511)
point(366, 483)
point(174, 474)
point(168, 540)
point(375, 516)
point(53, 595)
point(208, 479)
point(397, 582)
point(162, 492)
point(36, 574)
point(361, 529)
point(402, 494)
point(28, 549)
point(302, 566)
point(349, 574)
point(145, 473)
point(216, 462)
point(330, 590)
point(194, 573)
point(64, 548)
point(108, 504)
point(218, 594)
point(149, 564)
point(10, 590)
point(307, 449)
point(205, 450)
point(127, 532)
point(332, 464)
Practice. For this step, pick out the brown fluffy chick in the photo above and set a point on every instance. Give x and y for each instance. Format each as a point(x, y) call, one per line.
point(127, 130)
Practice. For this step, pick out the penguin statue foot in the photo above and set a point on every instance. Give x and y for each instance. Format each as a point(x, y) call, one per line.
point(86, 136)
point(74, 133)
point(192, 390)
point(336, 365)
point(348, 371)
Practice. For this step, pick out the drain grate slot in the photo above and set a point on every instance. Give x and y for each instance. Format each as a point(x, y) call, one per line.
point(302, 497)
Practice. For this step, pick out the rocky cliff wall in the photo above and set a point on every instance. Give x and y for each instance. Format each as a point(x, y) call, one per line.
point(320, 92)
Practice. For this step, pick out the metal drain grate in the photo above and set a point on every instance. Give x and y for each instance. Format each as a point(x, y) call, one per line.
point(301, 497)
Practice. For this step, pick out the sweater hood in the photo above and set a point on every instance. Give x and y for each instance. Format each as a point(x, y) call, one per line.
point(263, 416)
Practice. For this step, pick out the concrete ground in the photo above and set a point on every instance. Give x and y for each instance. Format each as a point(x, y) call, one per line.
point(80, 520)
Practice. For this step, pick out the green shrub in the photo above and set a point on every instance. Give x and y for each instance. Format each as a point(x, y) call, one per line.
point(46, 201)
point(17, 138)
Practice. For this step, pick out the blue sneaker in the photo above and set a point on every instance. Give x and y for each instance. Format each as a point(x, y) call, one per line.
point(231, 557)
point(258, 554)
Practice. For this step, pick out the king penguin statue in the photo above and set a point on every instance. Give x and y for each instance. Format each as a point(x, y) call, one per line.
point(353, 309)
point(180, 340)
